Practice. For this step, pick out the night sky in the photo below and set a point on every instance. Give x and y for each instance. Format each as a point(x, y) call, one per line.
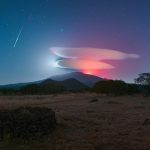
point(30, 28)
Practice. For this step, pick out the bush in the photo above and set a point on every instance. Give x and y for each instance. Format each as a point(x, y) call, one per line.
point(26, 122)
point(116, 87)
point(42, 89)
point(133, 89)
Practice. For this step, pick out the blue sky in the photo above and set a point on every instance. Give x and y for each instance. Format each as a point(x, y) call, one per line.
point(119, 25)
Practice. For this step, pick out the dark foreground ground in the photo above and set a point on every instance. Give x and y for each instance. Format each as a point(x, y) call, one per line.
point(111, 123)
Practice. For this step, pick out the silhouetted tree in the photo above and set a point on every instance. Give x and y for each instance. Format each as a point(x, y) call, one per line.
point(42, 88)
point(8, 91)
point(144, 81)
point(50, 88)
point(133, 89)
point(115, 87)
point(30, 89)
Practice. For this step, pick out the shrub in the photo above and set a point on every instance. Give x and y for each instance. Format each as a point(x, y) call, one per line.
point(42, 89)
point(115, 87)
point(26, 122)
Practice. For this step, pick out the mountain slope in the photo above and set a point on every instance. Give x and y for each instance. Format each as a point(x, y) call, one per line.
point(86, 79)
point(17, 86)
point(71, 81)
point(73, 84)
point(68, 84)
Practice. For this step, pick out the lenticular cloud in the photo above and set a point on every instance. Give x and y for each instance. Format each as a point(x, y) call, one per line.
point(84, 64)
point(92, 53)
point(89, 58)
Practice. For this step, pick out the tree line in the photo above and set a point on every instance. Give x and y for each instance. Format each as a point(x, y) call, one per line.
point(109, 87)
point(34, 89)
point(118, 87)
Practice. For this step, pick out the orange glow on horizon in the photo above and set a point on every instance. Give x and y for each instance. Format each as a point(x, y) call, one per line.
point(88, 72)
point(91, 72)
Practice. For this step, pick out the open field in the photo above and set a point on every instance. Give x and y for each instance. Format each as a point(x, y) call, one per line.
point(111, 123)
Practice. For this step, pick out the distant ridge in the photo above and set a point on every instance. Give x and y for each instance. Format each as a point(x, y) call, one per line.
point(86, 79)
point(17, 86)
point(71, 81)
point(68, 84)
point(73, 84)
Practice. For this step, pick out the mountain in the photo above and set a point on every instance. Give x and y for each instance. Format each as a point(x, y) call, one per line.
point(86, 79)
point(68, 84)
point(13, 86)
point(49, 81)
point(73, 84)
point(17, 86)
point(71, 81)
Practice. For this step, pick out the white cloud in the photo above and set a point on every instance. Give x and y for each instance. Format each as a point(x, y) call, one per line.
point(92, 53)
point(89, 58)
point(84, 64)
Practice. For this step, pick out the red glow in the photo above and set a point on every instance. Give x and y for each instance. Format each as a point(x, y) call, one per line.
point(88, 72)
point(91, 72)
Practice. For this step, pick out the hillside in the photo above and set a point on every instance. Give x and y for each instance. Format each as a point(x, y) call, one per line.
point(71, 81)
point(86, 79)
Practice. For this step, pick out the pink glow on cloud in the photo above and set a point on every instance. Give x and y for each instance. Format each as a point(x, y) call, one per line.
point(89, 60)
point(92, 53)
point(82, 64)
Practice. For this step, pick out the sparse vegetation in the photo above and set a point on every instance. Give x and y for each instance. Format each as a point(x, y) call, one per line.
point(26, 122)
point(42, 89)
point(110, 87)
point(115, 87)
point(109, 124)
point(144, 81)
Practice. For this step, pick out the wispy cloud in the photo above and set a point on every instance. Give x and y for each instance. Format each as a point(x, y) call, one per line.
point(92, 53)
point(84, 64)
point(89, 58)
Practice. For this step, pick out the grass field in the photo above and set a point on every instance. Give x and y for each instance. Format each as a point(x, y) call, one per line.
point(111, 123)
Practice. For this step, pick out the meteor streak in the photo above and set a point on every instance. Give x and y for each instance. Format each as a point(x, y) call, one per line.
point(20, 31)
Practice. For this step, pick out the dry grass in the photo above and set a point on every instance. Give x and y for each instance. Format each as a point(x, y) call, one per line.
point(111, 123)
